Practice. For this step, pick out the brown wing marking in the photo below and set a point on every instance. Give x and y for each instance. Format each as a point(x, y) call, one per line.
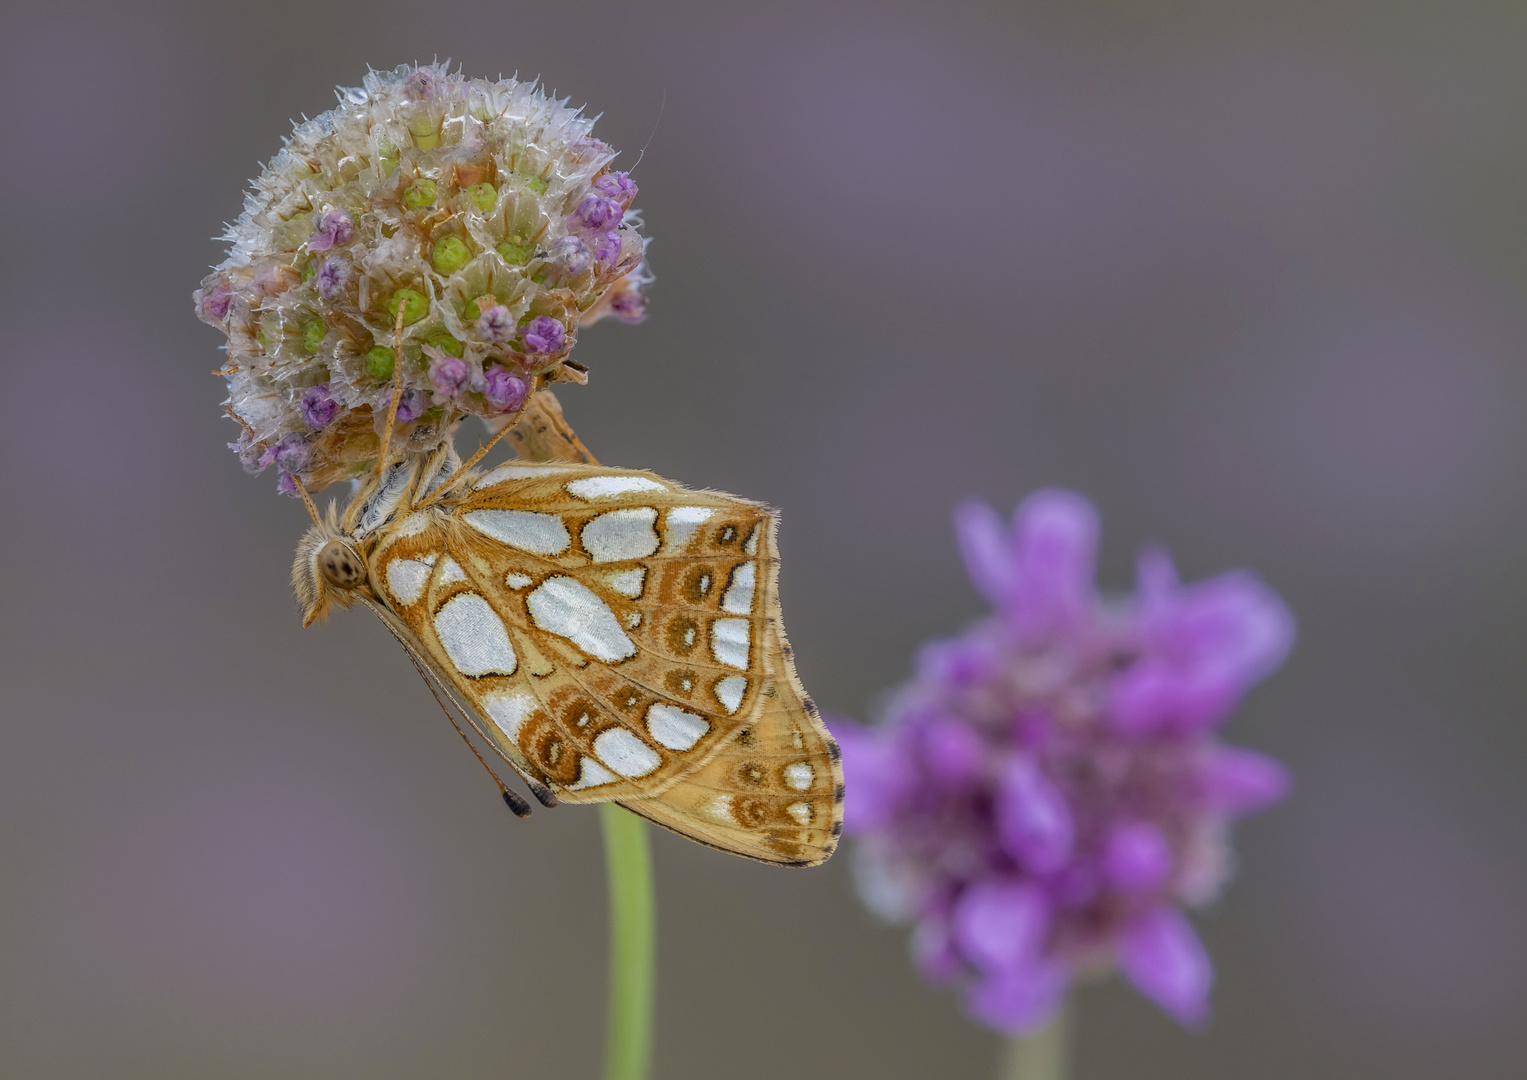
point(774, 792)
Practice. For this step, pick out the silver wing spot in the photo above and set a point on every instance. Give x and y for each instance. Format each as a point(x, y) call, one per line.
point(621, 534)
point(474, 636)
point(570, 609)
point(540, 534)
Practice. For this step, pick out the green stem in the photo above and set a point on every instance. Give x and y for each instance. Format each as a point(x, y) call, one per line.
point(1043, 1055)
point(633, 944)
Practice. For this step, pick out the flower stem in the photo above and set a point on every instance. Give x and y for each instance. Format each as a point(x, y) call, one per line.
point(633, 944)
point(1042, 1055)
point(542, 433)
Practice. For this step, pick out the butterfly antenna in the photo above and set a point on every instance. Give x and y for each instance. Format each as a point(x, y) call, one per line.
point(515, 801)
point(397, 394)
point(307, 500)
point(542, 793)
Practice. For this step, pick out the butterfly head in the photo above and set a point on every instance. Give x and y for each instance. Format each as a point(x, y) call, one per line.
point(329, 570)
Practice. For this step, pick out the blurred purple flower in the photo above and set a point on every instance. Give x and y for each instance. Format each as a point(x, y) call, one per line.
point(288, 455)
point(1048, 791)
point(629, 303)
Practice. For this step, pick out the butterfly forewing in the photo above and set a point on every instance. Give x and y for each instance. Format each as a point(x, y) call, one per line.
point(610, 626)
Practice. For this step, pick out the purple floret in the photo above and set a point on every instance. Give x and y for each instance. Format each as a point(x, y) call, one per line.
point(607, 249)
point(597, 213)
point(544, 335)
point(496, 324)
point(318, 408)
point(505, 392)
point(449, 376)
point(572, 254)
point(212, 306)
point(618, 186)
point(629, 304)
point(332, 276)
point(335, 229)
point(411, 405)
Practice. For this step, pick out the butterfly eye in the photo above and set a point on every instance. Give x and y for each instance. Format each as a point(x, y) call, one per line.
point(341, 566)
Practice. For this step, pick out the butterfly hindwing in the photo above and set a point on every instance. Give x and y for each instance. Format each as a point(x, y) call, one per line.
point(774, 792)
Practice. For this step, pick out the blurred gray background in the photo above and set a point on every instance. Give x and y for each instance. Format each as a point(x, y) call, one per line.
point(1249, 275)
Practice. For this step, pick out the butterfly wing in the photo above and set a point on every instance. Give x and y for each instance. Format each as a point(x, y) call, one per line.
point(774, 792)
point(608, 626)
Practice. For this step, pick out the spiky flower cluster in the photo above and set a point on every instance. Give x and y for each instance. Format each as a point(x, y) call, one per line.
point(444, 233)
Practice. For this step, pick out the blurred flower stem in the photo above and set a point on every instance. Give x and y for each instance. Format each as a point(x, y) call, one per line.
point(1042, 1055)
point(633, 945)
point(542, 433)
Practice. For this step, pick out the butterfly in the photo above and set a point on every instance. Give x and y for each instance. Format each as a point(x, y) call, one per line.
point(613, 636)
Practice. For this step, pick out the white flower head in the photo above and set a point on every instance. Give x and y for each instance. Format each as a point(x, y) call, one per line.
point(481, 215)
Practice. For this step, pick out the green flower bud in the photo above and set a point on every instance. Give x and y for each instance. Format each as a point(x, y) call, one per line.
point(471, 312)
point(422, 193)
point(260, 337)
point(483, 196)
point(309, 268)
point(413, 304)
point(537, 185)
point(379, 362)
point(447, 344)
point(451, 254)
point(312, 334)
point(514, 254)
point(387, 157)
